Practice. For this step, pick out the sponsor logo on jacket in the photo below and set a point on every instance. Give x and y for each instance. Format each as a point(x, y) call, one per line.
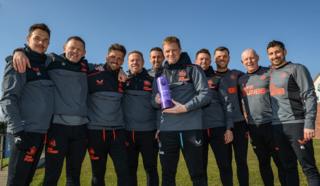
point(276, 91)
point(250, 90)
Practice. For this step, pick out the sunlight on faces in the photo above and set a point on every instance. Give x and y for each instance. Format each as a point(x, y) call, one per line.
point(222, 58)
point(74, 50)
point(203, 60)
point(250, 60)
point(135, 63)
point(172, 52)
point(276, 55)
point(156, 59)
point(38, 41)
point(115, 59)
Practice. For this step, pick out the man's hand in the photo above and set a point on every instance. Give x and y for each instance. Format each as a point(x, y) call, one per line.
point(20, 62)
point(177, 109)
point(156, 136)
point(228, 136)
point(157, 99)
point(21, 140)
point(122, 76)
point(308, 134)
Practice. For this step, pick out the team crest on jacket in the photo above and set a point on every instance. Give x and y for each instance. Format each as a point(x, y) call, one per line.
point(233, 76)
point(99, 82)
point(36, 70)
point(120, 87)
point(84, 67)
point(183, 75)
point(147, 86)
point(147, 83)
point(263, 77)
point(211, 84)
point(283, 75)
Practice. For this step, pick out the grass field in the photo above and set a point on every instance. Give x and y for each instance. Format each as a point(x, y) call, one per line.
point(182, 174)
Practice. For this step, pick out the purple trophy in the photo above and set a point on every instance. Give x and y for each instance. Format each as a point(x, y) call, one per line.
point(163, 88)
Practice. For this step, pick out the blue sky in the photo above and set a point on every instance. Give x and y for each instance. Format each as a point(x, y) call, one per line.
point(142, 24)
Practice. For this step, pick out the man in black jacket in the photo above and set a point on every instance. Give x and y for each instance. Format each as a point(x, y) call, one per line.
point(140, 119)
point(27, 105)
point(106, 134)
point(181, 125)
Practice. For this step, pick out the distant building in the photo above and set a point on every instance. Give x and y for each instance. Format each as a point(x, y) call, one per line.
point(316, 83)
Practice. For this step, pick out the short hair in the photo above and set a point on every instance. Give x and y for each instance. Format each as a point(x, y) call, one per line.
point(119, 47)
point(77, 38)
point(156, 49)
point(249, 50)
point(222, 48)
point(203, 50)
point(171, 39)
point(274, 43)
point(136, 52)
point(40, 26)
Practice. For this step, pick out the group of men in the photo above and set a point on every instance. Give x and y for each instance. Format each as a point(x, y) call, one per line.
point(69, 105)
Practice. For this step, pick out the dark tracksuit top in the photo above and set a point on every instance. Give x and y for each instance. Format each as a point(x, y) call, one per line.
point(71, 90)
point(219, 112)
point(188, 86)
point(293, 95)
point(27, 101)
point(229, 84)
point(152, 72)
point(139, 115)
point(104, 101)
point(254, 90)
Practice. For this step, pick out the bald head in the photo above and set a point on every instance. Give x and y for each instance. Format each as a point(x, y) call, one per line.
point(249, 59)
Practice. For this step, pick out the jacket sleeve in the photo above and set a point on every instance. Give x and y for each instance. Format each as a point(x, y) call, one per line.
point(307, 94)
point(12, 87)
point(227, 108)
point(201, 86)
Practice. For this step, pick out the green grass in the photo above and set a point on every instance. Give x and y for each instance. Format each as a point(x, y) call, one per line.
point(5, 162)
point(182, 174)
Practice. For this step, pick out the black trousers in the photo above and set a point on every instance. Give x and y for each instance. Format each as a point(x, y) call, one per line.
point(222, 152)
point(264, 147)
point(68, 142)
point(240, 149)
point(23, 161)
point(112, 142)
point(143, 142)
point(191, 144)
point(290, 150)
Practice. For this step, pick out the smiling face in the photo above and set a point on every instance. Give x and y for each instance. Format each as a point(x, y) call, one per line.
point(135, 63)
point(250, 60)
point(172, 52)
point(74, 50)
point(203, 60)
point(115, 59)
point(221, 59)
point(38, 41)
point(156, 59)
point(277, 56)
